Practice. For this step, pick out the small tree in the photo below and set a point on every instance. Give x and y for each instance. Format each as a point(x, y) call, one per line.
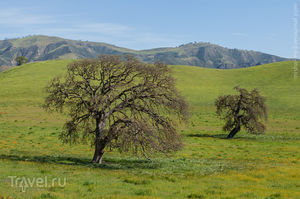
point(245, 109)
point(21, 60)
point(128, 105)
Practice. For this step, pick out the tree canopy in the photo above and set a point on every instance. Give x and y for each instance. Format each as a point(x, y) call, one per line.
point(246, 109)
point(21, 60)
point(123, 104)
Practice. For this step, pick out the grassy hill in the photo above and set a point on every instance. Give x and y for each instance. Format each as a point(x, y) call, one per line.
point(40, 48)
point(249, 166)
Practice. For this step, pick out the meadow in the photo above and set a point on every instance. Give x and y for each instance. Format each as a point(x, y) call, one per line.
point(209, 166)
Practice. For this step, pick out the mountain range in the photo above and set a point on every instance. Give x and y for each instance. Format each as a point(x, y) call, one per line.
point(40, 48)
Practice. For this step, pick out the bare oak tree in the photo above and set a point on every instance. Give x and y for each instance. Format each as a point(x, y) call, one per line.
point(246, 109)
point(123, 104)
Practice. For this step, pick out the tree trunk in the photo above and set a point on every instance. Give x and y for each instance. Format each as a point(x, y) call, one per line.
point(99, 151)
point(99, 143)
point(233, 132)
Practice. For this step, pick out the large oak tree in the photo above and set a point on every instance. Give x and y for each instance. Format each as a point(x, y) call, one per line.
point(246, 109)
point(123, 104)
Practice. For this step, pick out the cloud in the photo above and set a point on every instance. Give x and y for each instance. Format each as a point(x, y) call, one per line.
point(149, 40)
point(18, 22)
point(117, 34)
point(20, 17)
point(240, 34)
point(105, 28)
point(91, 28)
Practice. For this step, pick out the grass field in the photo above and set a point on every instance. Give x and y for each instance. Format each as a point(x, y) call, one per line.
point(209, 166)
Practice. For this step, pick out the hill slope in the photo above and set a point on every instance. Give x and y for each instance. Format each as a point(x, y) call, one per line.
point(40, 48)
point(249, 166)
point(200, 85)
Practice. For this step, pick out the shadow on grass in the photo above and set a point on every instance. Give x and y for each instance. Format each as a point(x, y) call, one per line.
point(108, 163)
point(224, 136)
point(221, 136)
point(249, 137)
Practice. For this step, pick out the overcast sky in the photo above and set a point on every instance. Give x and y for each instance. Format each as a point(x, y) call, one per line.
point(263, 25)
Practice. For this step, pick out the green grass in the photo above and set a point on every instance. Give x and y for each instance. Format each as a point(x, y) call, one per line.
point(209, 166)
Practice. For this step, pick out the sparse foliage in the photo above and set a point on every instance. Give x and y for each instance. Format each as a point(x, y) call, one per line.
point(246, 109)
point(21, 60)
point(128, 105)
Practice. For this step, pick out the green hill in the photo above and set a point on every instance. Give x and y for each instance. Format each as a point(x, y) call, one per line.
point(249, 166)
point(200, 85)
point(41, 48)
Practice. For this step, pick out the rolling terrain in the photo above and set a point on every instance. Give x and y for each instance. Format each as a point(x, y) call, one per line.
point(209, 166)
point(41, 48)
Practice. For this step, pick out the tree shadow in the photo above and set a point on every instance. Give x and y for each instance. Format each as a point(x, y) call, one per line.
point(224, 136)
point(108, 163)
point(205, 135)
point(249, 137)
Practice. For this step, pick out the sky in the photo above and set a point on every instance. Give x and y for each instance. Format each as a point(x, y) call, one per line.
point(262, 25)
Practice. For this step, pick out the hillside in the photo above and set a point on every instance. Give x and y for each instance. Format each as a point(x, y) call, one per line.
point(200, 85)
point(40, 48)
point(249, 166)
